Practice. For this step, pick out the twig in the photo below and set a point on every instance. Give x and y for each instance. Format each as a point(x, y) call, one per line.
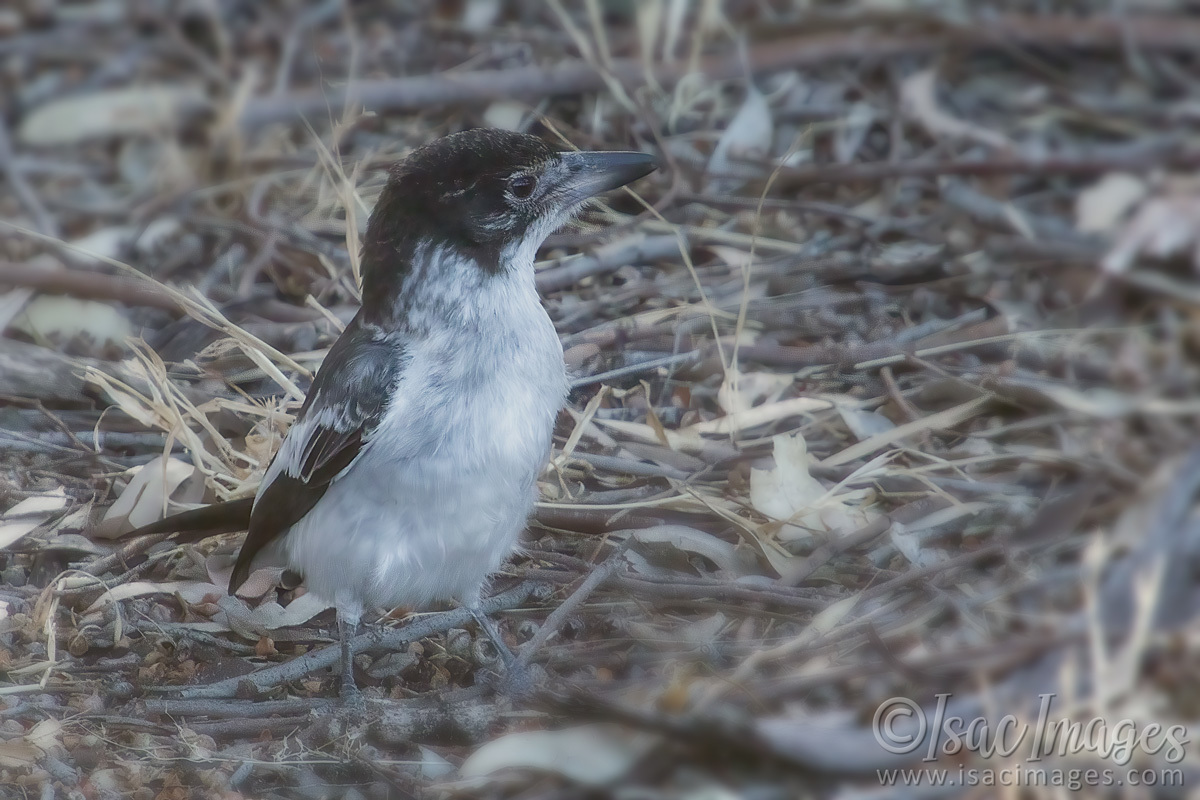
point(576, 77)
point(387, 638)
point(557, 617)
point(89, 286)
point(28, 197)
point(643, 366)
point(613, 256)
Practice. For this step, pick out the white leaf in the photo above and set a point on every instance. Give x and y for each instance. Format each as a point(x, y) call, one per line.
point(741, 391)
point(690, 540)
point(119, 112)
point(748, 136)
point(910, 539)
point(1162, 227)
point(864, 424)
point(852, 132)
point(918, 100)
point(69, 317)
point(268, 616)
point(787, 490)
point(45, 735)
point(1100, 206)
point(105, 243)
point(191, 591)
point(144, 499)
point(505, 114)
point(432, 765)
point(592, 755)
point(789, 493)
point(27, 515)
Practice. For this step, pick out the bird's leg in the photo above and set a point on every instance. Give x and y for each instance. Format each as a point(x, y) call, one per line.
point(518, 680)
point(347, 630)
point(493, 633)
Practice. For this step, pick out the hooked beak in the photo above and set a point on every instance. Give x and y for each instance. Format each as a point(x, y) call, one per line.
point(590, 174)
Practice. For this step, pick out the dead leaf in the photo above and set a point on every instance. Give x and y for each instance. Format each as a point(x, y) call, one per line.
point(690, 540)
point(790, 494)
point(749, 136)
point(27, 515)
point(862, 423)
point(741, 391)
point(117, 112)
point(910, 538)
point(918, 100)
point(191, 591)
point(506, 114)
point(269, 616)
point(145, 498)
point(1101, 206)
point(1163, 227)
point(46, 735)
point(68, 318)
point(16, 754)
point(592, 755)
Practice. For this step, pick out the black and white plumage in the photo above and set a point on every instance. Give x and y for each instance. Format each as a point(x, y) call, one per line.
point(410, 470)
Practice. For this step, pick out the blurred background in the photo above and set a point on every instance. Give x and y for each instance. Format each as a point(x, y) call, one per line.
point(885, 385)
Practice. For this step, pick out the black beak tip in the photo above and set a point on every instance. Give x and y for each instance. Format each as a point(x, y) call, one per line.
point(634, 166)
point(598, 172)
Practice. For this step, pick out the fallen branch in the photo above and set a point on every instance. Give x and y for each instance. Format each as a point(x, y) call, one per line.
point(88, 286)
point(385, 638)
point(575, 77)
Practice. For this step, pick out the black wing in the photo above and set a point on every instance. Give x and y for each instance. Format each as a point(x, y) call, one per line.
point(344, 406)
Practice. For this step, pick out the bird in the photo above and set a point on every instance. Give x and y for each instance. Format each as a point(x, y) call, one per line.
point(410, 470)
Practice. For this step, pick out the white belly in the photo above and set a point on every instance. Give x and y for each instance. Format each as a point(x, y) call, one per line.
point(440, 494)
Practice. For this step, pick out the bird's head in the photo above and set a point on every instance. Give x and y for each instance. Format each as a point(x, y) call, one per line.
point(491, 195)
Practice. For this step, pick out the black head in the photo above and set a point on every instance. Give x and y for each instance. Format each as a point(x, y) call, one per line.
point(492, 195)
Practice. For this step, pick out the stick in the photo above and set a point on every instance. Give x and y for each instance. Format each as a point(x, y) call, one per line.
point(1166, 33)
point(387, 638)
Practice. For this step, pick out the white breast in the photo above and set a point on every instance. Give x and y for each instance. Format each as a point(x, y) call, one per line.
point(439, 495)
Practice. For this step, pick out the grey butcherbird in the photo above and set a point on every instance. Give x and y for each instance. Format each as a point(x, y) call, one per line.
point(410, 470)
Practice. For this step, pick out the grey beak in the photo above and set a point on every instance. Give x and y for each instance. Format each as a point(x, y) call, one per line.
point(594, 173)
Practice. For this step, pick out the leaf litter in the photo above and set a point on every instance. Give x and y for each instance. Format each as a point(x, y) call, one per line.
point(886, 387)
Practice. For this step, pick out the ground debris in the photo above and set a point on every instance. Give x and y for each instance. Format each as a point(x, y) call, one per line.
point(896, 399)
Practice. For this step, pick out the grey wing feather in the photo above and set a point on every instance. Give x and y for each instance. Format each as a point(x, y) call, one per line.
point(344, 407)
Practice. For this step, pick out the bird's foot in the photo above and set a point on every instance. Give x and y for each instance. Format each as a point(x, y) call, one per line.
point(352, 703)
point(506, 673)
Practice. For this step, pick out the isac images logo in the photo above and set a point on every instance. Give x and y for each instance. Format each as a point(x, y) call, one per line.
point(903, 727)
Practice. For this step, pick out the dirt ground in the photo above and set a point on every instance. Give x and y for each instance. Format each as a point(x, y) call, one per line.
point(882, 439)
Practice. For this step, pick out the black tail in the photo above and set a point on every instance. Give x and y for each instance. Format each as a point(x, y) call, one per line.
point(202, 522)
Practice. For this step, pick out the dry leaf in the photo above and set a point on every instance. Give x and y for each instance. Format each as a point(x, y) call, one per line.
point(117, 112)
point(592, 755)
point(27, 515)
point(862, 423)
point(16, 754)
point(69, 317)
point(918, 100)
point(690, 540)
point(852, 131)
point(909, 538)
point(1163, 227)
point(789, 493)
point(748, 137)
point(269, 616)
point(1100, 206)
point(45, 735)
point(741, 391)
point(145, 498)
point(506, 114)
point(191, 591)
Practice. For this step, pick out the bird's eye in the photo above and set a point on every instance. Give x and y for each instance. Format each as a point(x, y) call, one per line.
point(522, 186)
